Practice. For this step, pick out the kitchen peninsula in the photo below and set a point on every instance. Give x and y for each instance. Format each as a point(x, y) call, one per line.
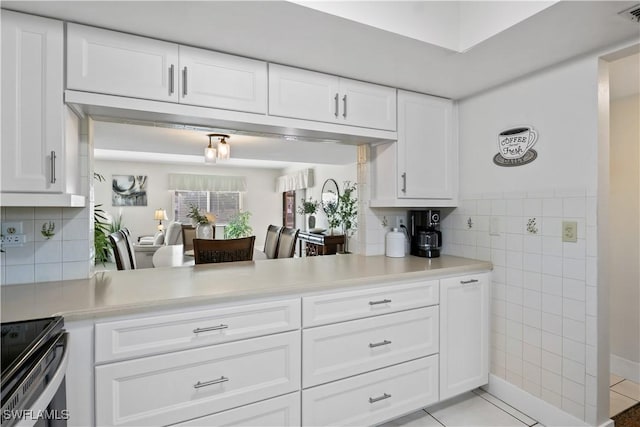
point(374, 331)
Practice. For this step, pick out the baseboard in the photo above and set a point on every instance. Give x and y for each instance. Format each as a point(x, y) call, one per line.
point(545, 413)
point(624, 368)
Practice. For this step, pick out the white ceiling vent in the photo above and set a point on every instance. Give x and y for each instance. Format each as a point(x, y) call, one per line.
point(632, 13)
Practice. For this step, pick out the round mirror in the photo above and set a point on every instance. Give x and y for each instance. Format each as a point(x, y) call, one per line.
point(329, 196)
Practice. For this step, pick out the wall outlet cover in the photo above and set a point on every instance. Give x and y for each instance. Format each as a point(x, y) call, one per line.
point(569, 231)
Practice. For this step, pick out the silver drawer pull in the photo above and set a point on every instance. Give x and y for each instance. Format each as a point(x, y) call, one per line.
point(210, 328)
point(212, 382)
point(378, 399)
point(384, 301)
point(378, 344)
point(466, 282)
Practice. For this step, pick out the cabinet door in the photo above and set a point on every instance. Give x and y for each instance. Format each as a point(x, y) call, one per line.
point(302, 94)
point(464, 334)
point(425, 147)
point(213, 79)
point(32, 106)
point(367, 105)
point(109, 62)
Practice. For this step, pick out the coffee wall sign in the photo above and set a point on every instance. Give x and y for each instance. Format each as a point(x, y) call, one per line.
point(514, 146)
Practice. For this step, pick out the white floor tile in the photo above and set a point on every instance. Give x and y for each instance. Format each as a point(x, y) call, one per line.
point(505, 407)
point(415, 419)
point(614, 379)
point(619, 403)
point(628, 388)
point(471, 410)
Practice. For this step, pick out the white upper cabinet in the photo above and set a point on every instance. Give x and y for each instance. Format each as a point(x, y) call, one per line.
point(425, 147)
point(309, 95)
point(105, 61)
point(33, 157)
point(212, 79)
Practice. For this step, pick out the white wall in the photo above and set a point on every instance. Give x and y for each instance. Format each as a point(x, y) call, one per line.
point(624, 214)
point(544, 335)
point(260, 199)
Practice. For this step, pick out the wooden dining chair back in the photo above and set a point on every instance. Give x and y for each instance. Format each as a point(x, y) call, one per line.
point(287, 242)
point(121, 251)
point(271, 242)
point(188, 234)
point(215, 251)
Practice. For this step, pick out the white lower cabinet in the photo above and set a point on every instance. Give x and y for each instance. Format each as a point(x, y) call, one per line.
point(178, 386)
point(337, 351)
point(464, 341)
point(373, 398)
point(283, 411)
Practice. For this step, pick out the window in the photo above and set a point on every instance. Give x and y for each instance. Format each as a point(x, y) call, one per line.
point(224, 204)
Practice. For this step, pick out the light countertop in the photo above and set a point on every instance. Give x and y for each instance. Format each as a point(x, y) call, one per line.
point(125, 292)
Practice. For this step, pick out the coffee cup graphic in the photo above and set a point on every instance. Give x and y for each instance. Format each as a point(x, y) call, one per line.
point(514, 143)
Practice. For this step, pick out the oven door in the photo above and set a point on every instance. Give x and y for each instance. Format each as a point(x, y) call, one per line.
point(41, 397)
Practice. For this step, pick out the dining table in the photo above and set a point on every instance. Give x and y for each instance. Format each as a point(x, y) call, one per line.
point(176, 256)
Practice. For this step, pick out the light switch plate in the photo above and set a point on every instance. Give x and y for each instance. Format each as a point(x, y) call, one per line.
point(569, 231)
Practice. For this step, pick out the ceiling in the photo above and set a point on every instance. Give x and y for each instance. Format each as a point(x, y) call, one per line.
point(292, 34)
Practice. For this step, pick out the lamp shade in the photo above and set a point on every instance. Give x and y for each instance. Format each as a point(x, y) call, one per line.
point(160, 215)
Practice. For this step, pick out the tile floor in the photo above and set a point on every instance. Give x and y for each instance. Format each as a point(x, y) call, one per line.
point(476, 408)
point(623, 394)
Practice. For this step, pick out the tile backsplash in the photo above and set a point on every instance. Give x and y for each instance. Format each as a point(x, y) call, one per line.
point(65, 255)
point(543, 336)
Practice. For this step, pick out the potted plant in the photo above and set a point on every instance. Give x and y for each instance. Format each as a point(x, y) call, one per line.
point(348, 212)
point(238, 226)
point(333, 219)
point(204, 223)
point(309, 209)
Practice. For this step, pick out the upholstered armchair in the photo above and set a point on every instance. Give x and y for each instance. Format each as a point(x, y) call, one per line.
point(147, 246)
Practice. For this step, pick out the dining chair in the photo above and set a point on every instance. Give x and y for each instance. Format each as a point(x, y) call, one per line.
point(214, 251)
point(287, 242)
point(188, 234)
point(132, 253)
point(271, 242)
point(121, 251)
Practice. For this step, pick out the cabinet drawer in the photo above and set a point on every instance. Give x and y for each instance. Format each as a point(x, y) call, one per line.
point(153, 335)
point(373, 398)
point(350, 348)
point(283, 411)
point(323, 309)
point(171, 388)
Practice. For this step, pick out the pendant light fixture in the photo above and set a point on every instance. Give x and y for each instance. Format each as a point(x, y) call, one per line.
point(222, 150)
point(210, 152)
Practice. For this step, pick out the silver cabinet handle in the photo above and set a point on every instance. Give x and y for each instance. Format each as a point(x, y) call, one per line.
point(404, 182)
point(212, 382)
point(184, 81)
point(378, 399)
point(171, 88)
point(379, 344)
point(336, 105)
point(466, 282)
point(344, 112)
point(53, 167)
point(210, 328)
point(383, 301)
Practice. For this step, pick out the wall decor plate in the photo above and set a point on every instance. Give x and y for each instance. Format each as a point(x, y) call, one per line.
point(528, 157)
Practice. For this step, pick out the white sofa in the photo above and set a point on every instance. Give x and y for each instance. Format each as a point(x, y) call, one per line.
point(147, 246)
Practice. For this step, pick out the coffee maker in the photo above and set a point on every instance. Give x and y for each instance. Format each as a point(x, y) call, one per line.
point(424, 231)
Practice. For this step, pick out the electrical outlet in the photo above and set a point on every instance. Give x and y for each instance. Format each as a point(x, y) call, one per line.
point(400, 221)
point(569, 231)
point(13, 240)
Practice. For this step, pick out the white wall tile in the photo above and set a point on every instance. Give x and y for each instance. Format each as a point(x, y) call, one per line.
point(75, 213)
point(498, 207)
point(499, 257)
point(576, 250)
point(552, 226)
point(591, 241)
point(48, 272)
point(57, 230)
point(552, 207)
point(573, 391)
point(532, 300)
point(532, 208)
point(514, 242)
point(483, 207)
point(573, 350)
point(591, 365)
point(592, 271)
point(514, 348)
point(514, 314)
point(575, 409)
point(552, 265)
point(75, 250)
point(552, 284)
point(481, 223)
point(574, 268)
point(514, 295)
point(573, 371)
point(483, 254)
point(499, 308)
point(514, 260)
point(551, 341)
point(552, 246)
point(531, 372)
point(574, 289)
point(54, 214)
point(19, 214)
point(532, 280)
point(532, 336)
point(551, 397)
point(499, 242)
point(514, 364)
point(532, 317)
point(532, 244)
point(19, 255)
point(551, 304)
point(75, 270)
point(532, 263)
point(591, 331)
point(573, 330)
point(574, 207)
point(591, 390)
point(48, 252)
point(532, 354)
point(551, 362)
point(591, 211)
point(514, 378)
point(573, 309)
point(499, 291)
point(591, 308)
point(15, 274)
point(550, 380)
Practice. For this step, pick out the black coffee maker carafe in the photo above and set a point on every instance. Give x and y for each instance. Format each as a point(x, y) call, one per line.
point(424, 230)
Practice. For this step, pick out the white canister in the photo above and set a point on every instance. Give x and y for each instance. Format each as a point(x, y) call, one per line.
point(394, 243)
